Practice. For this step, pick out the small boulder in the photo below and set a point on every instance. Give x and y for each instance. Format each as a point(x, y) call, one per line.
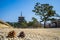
point(21, 34)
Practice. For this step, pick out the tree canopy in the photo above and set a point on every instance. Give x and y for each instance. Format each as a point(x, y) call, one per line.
point(44, 11)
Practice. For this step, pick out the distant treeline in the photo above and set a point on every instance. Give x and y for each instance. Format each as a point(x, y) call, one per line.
point(31, 24)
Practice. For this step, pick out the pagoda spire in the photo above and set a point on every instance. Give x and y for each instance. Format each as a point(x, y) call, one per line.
point(21, 13)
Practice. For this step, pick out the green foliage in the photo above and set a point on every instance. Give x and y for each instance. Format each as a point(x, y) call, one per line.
point(34, 23)
point(44, 11)
point(16, 25)
point(24, 24)
point(34, 20)
point(30, 23)
point(10, 23)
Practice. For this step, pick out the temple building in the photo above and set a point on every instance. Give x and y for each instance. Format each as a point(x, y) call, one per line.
point(56, 23)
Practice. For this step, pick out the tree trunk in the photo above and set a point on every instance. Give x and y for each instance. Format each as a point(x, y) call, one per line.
point(44, 24)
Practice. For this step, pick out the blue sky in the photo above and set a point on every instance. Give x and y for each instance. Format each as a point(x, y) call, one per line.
point(10, 10)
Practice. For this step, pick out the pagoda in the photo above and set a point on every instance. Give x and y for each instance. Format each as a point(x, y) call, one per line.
point(21, 19)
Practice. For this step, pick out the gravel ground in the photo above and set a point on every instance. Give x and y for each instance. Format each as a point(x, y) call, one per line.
point(33, 34)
